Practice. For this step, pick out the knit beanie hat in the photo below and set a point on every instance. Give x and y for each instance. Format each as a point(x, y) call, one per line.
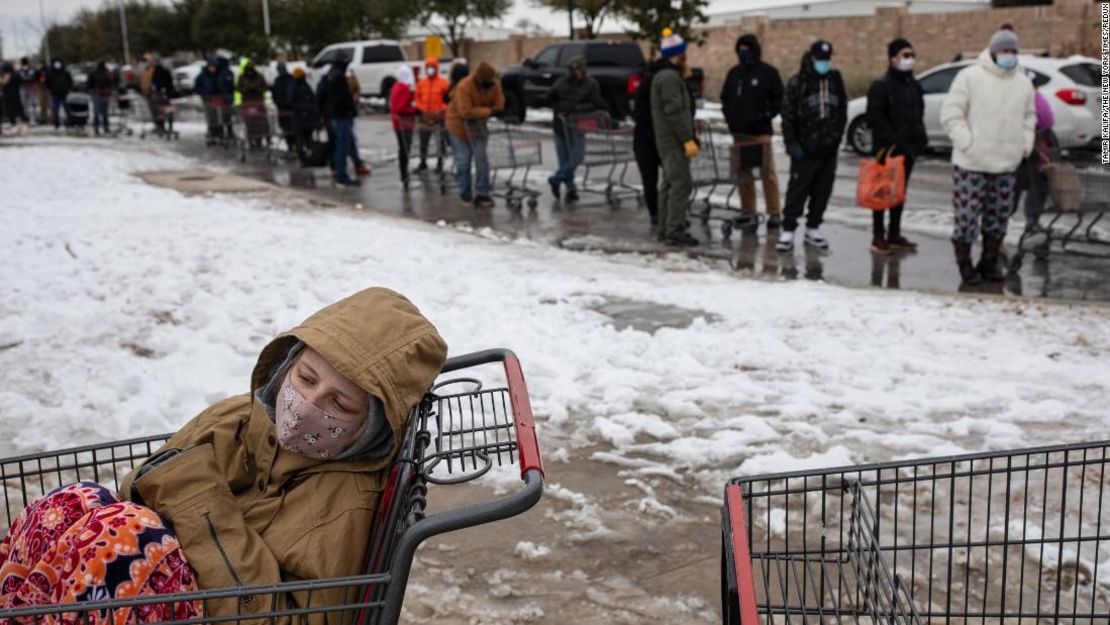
point(896, 46)
point(672, 44)
point(1004, 39)
point(821, 50)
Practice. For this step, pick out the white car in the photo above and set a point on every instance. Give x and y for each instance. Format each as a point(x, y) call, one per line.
point(374, 63)
point(185, 77)
point(1070, 85)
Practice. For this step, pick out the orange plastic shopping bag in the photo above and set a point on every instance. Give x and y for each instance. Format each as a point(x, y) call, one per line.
point(882, 182)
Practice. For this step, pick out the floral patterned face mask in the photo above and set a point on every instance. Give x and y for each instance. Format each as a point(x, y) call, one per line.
point(304, 429)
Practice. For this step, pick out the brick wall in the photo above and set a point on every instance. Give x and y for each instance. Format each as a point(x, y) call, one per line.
point(1063, 28)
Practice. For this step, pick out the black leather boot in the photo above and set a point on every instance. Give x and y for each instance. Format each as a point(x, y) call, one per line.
point(963, 260)
point(989, 268)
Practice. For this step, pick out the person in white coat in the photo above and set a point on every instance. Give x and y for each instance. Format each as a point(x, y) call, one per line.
point(990, 116)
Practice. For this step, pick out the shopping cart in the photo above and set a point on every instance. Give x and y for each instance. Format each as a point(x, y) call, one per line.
point(717, 172)
point(606, 150)
point(1002, 538)
point(1064, 204)
point(156, 111)
point(461, 430)
point(251, 128)
point(122, 109)
point(508, 150)
point(218, 115)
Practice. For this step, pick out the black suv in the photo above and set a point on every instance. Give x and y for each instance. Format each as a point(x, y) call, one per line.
point(617, 66)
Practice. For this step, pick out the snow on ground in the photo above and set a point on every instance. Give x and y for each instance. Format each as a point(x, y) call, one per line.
point(129, 308)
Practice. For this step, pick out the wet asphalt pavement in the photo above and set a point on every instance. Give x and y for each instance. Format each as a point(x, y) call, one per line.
point(594, 224)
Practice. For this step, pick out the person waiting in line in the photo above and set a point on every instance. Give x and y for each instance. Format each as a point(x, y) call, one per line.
point(336, 103)
point(306, 118)
point(572, 94)
point(473, 101)
point(643, 140)
point(459, 71)
point(896, 115)
point(990, 116)
point(672, 120)
point(814, 113)
point(59, 82)
point(281, 93)
point(29, 79)
point(750, 98)
point(10, 87)
point(101, 87)
point(402, 115)
point(430, 107)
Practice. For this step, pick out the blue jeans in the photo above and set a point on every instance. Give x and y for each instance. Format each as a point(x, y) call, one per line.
point(571, 151)
point(465, 152)
point(59, 103)
point(343, 129)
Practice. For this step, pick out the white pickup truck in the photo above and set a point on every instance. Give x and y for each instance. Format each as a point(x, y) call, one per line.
point(374, 63)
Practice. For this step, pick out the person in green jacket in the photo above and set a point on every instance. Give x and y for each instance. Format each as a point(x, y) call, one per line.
point(672, 117)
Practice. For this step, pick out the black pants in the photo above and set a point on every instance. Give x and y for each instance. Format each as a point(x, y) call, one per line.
point(895, 228)
point(647, 160)
point(812, 178)
point(426, 135)
point(404, 147)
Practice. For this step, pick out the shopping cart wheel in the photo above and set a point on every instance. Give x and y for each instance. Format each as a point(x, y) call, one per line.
point(1040, 252)
point(532, 202)
point(1015, 263)
point(726, 229)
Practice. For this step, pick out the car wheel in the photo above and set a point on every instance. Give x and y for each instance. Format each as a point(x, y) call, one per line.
point(859, 136)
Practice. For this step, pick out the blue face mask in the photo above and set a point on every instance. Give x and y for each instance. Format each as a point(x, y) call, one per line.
point(1006, 61)
point(822, 67)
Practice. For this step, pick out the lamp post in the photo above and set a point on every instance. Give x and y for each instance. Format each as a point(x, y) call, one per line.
point(570, 17)
point(45, 33)
point(123, 31)
point(266, 17)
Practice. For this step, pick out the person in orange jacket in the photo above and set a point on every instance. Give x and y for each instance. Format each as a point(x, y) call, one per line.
point(429, 105)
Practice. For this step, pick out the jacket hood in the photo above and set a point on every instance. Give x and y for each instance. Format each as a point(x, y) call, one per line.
point(987, 61)
point(485, 72)
point(752, 42)
point(222, 63)
point(377, 339)
point(405, 76)
point(431, 61)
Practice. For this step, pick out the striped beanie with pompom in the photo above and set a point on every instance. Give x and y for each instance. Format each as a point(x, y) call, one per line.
point(672, 44)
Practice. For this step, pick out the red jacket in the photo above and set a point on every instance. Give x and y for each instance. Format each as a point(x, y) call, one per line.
point(401, 111)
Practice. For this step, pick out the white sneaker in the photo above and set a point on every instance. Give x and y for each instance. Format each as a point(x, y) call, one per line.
point(786, 241)
point(816, 239)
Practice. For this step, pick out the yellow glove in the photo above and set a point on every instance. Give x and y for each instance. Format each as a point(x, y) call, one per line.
point(691, 148)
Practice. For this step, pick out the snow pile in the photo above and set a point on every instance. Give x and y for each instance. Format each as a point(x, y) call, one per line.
point(130, 308)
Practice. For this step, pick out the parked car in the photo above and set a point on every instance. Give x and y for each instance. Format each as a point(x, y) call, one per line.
point(1070, 85)
point(186, 75)
point(374, 63)
point(616, 65)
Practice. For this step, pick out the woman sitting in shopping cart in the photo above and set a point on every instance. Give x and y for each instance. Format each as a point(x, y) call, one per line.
point(275, 485)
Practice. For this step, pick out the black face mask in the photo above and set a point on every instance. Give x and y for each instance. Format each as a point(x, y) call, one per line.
point(747, 57)
point(485, 84)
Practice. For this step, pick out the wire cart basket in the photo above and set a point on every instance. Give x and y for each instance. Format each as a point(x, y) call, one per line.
point(606, 150)
point(1064, 204)
point(252, 129)
point(508, 150)
point(461, 430)
point(218, 116)
point(717, 172)
point(156, 114)
point(1008, 538)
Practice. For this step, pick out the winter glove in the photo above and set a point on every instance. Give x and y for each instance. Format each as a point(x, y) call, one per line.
point(691, 148)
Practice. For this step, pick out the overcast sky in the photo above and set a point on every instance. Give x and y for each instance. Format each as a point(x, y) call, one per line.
point(21, 28)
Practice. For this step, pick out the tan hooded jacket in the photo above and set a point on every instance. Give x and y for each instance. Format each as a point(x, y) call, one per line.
point(468, 102)
point(250, 513)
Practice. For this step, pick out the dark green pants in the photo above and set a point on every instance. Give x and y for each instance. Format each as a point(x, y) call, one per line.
point(674, 190)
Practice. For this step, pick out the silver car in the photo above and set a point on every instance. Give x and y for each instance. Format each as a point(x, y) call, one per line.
point(1070, 85)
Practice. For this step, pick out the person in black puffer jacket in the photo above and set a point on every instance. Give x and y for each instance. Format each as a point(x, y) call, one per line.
point(814, 112)
point(643, 139)
point(574, 93)
point(750, 99)
point(335, 102)
point(101, 85)
point(896, 115)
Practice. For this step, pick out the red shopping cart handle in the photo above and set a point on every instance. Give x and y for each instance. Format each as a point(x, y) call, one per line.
point(523, 421)
point(741, 555)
